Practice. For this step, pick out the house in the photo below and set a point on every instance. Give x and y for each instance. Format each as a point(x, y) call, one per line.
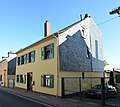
point(11, 72)
point(116, 76)
point(3, 73)
point(73, 51)
point(7, 70)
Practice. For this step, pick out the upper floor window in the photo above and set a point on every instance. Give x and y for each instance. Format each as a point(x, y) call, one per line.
point(22, 59)
point(88, 52)
point(83, 32)
point(31, 56)
point(96, 48)
point(47, 52)
point(18, 61)
point(27, 58)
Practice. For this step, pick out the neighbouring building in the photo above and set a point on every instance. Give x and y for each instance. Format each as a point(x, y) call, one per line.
point(7, 70)
point(11, 72)
point(3, 73)
point(116, 76)
point(74, 51)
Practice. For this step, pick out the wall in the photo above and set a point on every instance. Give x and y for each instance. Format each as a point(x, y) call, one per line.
point(39, 67)
point(72, 80)
point(97, 47)
point(3, 72)
point(12, 67)
point(72, 46)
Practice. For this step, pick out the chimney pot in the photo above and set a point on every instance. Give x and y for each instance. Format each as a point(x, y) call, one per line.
point(86, 15)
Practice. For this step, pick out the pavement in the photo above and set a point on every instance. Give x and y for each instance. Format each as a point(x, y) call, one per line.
point(49, 100)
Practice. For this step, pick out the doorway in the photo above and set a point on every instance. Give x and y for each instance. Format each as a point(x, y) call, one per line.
point(29, 81)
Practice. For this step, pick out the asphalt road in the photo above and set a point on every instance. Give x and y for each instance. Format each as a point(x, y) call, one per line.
point(10, 100)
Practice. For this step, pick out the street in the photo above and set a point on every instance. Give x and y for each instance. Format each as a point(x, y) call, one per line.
point(7, 99)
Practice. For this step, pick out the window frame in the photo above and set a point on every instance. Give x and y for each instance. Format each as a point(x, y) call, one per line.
point(88, 52)
point(47, 52)
point(47, 81)
point(22, 59)
point(21, 78)
point(25, 59)
point(24, 78)
point(17, 78)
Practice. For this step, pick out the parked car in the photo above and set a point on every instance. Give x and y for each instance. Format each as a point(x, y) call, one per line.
point(97, 91)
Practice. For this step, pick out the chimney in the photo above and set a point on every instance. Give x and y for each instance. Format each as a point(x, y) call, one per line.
point(80, 17)
point(86, 15)
point(46, 28)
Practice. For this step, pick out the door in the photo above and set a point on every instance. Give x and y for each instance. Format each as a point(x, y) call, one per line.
point(29, 81)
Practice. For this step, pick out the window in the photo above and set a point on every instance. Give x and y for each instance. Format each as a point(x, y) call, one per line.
point(17, 80)
point(87, 52)
point(24, 78)
point(25, 58)
point(47, 52)
point(96, 48)
point(31, 56)
point(47, 81)
point(83, 32)
point(83, 75)
point(18, 60)
point(21, 78)
point(22, 59)
point(0, 77)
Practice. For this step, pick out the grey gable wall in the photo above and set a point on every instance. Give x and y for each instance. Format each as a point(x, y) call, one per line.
point(73, 44)
point(73, 54)
point(12, 67)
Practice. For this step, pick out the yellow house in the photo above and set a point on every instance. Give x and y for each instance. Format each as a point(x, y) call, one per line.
point(3, 73)
point(74, 51)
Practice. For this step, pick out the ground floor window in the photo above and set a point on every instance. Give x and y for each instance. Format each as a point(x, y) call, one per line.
point(24, 78)
point(0, 77)
point(47, 81)
point(21, 78)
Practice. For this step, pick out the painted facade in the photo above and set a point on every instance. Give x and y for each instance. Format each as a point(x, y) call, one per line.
point(11, 73)
point(72, 51)
point(3, 73)
point(7, 70)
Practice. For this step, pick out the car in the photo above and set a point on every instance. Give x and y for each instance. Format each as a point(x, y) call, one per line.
point(110, 91)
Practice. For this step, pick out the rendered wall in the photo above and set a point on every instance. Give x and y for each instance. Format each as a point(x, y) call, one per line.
point(38, 68)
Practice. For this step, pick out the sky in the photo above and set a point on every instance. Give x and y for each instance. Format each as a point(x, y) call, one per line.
point(21, 23)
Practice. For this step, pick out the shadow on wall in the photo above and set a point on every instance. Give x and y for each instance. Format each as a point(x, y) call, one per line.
point(75, 55)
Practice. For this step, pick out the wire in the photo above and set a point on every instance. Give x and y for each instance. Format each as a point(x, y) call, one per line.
point(102, 23)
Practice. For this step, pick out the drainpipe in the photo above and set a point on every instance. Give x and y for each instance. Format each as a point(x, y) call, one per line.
point(91, 58)
point(57, 75)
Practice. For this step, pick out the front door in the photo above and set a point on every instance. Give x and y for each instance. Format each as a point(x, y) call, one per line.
point(29, 81)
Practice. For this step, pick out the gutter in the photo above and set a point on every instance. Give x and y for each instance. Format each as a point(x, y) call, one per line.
point(57, 75)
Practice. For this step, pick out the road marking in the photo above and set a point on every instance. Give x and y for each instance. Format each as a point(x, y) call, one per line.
point(91, 103)
point(43, 96)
